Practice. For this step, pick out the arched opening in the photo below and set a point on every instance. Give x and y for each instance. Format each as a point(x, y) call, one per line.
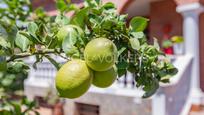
point(162, 15)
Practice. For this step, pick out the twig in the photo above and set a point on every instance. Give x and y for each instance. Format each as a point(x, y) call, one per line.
point(27, 54)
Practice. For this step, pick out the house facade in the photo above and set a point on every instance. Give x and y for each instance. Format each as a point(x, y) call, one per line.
point(167, 17)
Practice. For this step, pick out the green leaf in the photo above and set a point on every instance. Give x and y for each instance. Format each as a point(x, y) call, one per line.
point(3, 32)
point(71, 38)
point(3, 63)
point(108, 5)
point(4, 43)
point(61, 5)
point(132, 68)
point(69, 41)
point(2, 52)
point(138, 24)
point(153, 88)
point(79, 18)
point(17, 108)
point(92, 3)
point(121, 72)
point(72, 7)
point(31, 38)
point(12, 31)
point(5, 112)
point(165, 79)
point(123, 64)
point(40, 12)
point(171, 70)
point(138, 35)
point(17, 66)
point(121, 51)
point(73, 52)
point(8, 80)
point(32, 28)
point(22, 42)
point(62, 20)
point(57, 65)
point(135, 44)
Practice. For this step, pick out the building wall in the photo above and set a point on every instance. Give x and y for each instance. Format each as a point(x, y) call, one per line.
point(164, 13)
point(111, 104)
point(202, 51)
point(48, 5)
point(181, 2)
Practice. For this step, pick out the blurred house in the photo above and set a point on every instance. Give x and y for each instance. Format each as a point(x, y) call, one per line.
point(185, 92)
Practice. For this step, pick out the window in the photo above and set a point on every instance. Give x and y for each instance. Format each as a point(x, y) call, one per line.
point(86, 109)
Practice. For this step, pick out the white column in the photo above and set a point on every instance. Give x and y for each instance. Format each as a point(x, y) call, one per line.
point(191, 14)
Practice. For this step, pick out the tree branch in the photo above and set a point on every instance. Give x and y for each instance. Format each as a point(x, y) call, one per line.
point(27, 54)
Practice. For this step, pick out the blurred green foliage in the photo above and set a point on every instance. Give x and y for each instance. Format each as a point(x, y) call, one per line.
point(36, 35)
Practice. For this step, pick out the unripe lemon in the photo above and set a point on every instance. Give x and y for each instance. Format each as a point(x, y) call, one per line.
point(73, 79)
point(104, 79)
point(100, 54)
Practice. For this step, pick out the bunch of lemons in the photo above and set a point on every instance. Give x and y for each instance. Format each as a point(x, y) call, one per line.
point(75, 77)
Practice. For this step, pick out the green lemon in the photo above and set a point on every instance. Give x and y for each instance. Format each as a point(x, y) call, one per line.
point(73, 79)
point(104, 79)
point(100, 54)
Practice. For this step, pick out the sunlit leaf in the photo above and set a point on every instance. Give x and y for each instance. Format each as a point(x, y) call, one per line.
point(79, 18)
point(135, 44)
point(61, 5)
point(22, 42)
point(138, 35)
point(4, 43)
point(62, 20)
point(32, 28)
point(138, 24)
point(69, 41)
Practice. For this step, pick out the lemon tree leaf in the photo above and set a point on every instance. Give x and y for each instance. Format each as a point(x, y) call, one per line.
point(92, 3)
point(69, 42)
point(138, 24)
point(57, 65)
point(152, 89)
point(135, 44)
point(32, 28)
point(17, 107)
point(121, 51)
point(3, 32)
point(62, 20)
point(22, 42)
point(61, 5)
point(138, 35)
point(3, 63)
point(12, 31)
point(4, 43)
point(79, 18)
point(108, 6)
